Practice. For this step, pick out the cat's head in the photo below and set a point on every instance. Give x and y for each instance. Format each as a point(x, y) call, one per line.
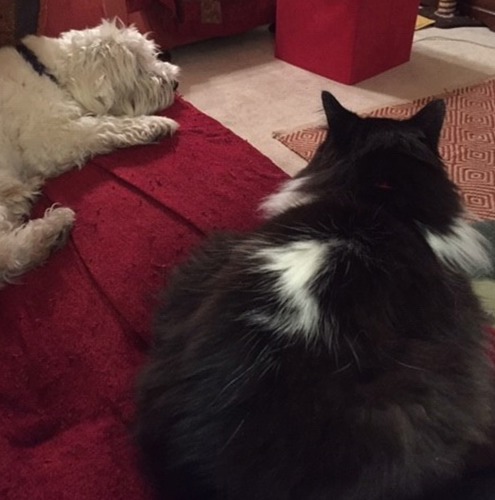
point(394, 164)
point(350, 133)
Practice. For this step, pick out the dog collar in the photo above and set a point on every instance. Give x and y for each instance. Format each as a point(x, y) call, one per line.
point(30, 57)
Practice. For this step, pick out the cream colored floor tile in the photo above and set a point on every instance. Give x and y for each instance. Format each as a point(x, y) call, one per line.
point(239, 82)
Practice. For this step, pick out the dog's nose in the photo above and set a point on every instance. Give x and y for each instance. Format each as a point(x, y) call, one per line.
point(175, 85)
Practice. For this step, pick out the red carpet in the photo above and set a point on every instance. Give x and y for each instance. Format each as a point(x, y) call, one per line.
point(73, 332)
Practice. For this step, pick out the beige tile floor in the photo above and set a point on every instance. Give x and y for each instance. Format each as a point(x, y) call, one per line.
point(239, 82)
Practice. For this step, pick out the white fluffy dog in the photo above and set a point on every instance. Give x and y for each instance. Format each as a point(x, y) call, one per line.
point(62, 101)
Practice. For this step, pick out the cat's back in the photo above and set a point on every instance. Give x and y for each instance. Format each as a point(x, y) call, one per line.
point(357, 351)
point(318, 344)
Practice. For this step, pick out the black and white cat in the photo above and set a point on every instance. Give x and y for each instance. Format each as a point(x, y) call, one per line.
point(338, 351)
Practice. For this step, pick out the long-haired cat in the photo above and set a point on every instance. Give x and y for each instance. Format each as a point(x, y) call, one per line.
point(337, 352)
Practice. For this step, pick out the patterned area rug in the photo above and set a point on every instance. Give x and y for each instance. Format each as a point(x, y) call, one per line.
point(467, 143)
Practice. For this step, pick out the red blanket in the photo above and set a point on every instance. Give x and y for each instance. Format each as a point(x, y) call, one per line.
point(73, 333)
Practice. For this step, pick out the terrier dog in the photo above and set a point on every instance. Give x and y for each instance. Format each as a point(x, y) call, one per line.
point(62, 101)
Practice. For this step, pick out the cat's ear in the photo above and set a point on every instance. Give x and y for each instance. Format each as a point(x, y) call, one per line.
point(334, 111)
point(430, 121)
point(340, 120)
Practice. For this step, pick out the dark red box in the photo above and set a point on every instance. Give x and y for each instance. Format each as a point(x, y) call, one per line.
point(345, 40)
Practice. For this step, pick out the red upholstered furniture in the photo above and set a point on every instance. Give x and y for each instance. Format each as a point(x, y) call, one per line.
point(73, 332)
point(345, 40)
point(172, 22)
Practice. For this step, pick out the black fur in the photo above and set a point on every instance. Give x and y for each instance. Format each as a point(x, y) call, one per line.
point(392, 392)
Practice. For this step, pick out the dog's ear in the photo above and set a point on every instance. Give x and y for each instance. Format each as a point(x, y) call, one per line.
point(94, 91)
point(430, 121)
point(101, 76)
point(104, 95)
point(341, 121)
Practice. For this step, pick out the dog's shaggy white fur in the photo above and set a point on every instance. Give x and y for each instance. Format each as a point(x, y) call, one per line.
point(95, 94)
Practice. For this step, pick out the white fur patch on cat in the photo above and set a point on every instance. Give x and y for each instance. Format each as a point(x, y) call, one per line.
point(463, 247)
point(296, 266)
point(287, 197)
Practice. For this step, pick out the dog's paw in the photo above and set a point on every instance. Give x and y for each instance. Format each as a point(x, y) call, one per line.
point(161, 126)
point(63, 215)
point(60, 220)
